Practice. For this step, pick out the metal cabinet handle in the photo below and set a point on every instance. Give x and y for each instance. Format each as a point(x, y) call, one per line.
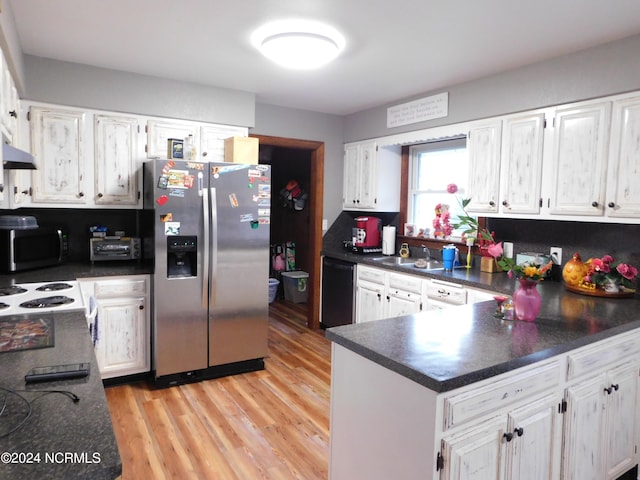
point(611, 204)
point(608, 390)
point(492, 203)
point(594, 204)
point(519, 431)
point(13, 114)
point(504, 203)
point(508, 436)
point(81, 194)
point(141, 307)
point(100, 195)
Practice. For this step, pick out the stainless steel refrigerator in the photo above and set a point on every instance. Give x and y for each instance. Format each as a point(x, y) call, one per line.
point(211, 235)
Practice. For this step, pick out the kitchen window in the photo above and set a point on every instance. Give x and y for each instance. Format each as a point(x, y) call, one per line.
point(433, 166)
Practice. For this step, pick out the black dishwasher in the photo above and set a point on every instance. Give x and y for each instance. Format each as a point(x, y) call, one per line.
point(337, 292)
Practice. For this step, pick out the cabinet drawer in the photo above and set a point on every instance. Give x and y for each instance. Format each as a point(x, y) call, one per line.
point(370, 274)
point(406, 283)
point(492, 398)
point(120, 288)
point(599, 358)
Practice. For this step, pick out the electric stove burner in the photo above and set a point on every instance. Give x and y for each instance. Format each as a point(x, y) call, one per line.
point(12, 290)
point(44, 302)
point(4, 305)
point(52, 287)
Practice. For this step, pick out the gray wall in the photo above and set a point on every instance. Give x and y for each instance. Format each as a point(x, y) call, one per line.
point(320, 127)
point(605, 70)
point(73, 84)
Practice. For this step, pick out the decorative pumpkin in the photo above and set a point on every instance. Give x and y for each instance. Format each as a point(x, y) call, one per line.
point(574, 270)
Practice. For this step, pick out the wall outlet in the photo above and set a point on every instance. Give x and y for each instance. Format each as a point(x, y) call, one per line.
point(556, 255)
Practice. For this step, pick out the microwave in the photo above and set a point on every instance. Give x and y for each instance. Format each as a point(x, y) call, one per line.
point(121, 248)
point(25, 249)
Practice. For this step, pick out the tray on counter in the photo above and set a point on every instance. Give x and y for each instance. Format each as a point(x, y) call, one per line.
point(598, 292)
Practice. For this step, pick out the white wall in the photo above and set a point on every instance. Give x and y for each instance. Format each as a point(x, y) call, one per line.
point(319, 127)
point(73, 84)
point(600, 71)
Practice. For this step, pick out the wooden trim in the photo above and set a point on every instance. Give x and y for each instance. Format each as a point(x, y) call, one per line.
point(316, 193)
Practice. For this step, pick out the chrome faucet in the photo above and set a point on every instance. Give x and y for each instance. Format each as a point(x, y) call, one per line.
point(426, 251)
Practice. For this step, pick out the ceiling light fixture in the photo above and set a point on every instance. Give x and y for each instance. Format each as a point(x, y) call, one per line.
point(298, 44)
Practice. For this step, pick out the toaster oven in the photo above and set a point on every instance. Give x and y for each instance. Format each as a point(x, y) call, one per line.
point(122, 248)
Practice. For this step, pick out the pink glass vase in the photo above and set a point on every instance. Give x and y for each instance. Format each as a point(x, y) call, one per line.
point(527, 300)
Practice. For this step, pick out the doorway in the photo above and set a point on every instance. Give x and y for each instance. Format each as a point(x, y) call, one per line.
point(305, 158)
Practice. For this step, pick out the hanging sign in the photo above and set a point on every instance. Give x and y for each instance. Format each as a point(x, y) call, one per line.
point(427, 108)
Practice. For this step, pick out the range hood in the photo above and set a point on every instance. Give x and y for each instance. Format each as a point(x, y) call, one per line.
point(16, 159)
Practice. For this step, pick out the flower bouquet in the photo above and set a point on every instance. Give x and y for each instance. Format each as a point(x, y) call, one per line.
point(601, 277)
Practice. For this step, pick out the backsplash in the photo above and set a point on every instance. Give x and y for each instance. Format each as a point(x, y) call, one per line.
point(621, 241)
point(76, 222)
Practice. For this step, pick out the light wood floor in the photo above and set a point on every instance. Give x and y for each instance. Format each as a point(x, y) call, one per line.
point(272, 424)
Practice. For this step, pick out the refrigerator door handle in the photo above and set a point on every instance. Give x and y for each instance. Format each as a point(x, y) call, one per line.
point(213, 247)
point(205, 248)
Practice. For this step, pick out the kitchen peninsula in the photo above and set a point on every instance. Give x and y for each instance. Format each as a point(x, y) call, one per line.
point(458, 393)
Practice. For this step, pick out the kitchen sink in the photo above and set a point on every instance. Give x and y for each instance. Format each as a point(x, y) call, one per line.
point(395, 260)
point(431, 264)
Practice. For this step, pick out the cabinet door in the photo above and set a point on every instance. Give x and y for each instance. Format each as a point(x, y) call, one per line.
point(620, 394)
point(369, 305)
point(530, 450)
point(475, 454)
point(483, 144)
point(122, 346)
point(584, 431)
point(579, 156)
point(212, 141)
point(401, 303)
point(522, 164)
point(350, 188)
point(368, 178)
point(57, 143)
point(623, 189)
point(159, 131)
point(116, 160)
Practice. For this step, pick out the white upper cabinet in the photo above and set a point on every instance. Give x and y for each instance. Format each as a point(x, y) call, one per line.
point(212, 141)
point(58, 144)
point(580, 146)
point(483, 144)
point(623, 176)
point(371, 177)
point(117, 160)
point(522, 154)
point(159, 131)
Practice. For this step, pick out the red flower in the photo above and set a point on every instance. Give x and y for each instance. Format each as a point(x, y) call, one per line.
point(452, 188)
point(599, 265)
point(627, 271)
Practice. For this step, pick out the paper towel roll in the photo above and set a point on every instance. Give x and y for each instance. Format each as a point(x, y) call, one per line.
point(388, 240)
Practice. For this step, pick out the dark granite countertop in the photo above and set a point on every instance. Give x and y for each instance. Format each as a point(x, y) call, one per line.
point(73, 440)
point(77, 270)
point(450, 348)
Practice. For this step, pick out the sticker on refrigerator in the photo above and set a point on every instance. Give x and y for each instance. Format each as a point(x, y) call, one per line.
point(162, 199)
point(262, 168)
point(262, 202)
point(195, 166)
point(168, 166)
point(167, 217)
point(177, 178)
point(253, 173)
point(264, 220)
point(172, 228)
point(163, 181)
point(264, 191)
point(233, 200)
point(247, 217)
point(264, 212)
point(174, 192)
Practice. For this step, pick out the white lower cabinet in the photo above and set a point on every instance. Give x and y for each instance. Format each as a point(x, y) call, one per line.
point(384, 294)
point(573, 416)
point(120, 323)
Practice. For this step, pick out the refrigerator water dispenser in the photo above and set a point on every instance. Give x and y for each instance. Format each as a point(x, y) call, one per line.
point(182, 256)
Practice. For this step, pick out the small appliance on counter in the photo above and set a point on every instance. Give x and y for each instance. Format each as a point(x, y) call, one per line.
point(366, 237)
point(118, 248)
point(25, 245)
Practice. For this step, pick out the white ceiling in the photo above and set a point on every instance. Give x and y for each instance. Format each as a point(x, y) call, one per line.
point(394, 50)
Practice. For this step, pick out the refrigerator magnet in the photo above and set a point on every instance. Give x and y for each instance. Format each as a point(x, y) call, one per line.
point(163, 181)
point(233, 199)
point(253, 173)
point(172, 228)
point(166, 217)
point(175, 192)
point(264, 220)
point(264, 191)
point(264, 212)
point(247, 217)
point(162, 199)
point(195, 166)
